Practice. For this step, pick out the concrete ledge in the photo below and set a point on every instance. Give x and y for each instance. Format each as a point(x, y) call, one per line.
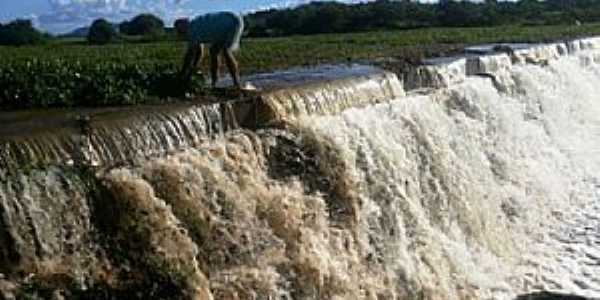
point(111, 136)
point(328, 97)
point(495, 61)
point(105, 137)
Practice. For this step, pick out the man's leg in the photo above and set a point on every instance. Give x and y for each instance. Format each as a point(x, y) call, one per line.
point(190, 55)
point(214, 64)
point(199, 56)
point(232, 65)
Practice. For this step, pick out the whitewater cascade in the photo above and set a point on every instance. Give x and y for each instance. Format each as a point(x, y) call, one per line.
point(476, 177)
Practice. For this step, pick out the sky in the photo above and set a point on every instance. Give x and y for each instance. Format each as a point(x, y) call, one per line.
point(59, 16)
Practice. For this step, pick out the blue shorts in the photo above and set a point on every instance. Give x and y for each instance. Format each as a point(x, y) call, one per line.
point(222, 30)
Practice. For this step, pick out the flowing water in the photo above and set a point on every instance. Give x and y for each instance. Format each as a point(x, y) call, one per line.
point(476, 187)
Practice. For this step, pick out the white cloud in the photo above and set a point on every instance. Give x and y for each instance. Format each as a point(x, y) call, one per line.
point(68, 14)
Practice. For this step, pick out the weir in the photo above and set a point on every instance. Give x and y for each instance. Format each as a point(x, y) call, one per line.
point(472, 177)
point(105, 137)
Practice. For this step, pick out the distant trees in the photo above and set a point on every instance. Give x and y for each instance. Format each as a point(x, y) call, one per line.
point(324, 17)
point(20, 32)
point(147, 26)
point(101, 32)
point(334, 17)
point(144, 24)
point(456, 14)
point(331, 17)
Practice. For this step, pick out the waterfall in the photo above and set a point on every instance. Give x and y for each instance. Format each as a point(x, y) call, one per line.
point(477, 185)
point(108, 137)
point(474, 177)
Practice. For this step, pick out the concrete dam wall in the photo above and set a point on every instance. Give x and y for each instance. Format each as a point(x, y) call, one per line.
point(474, 177)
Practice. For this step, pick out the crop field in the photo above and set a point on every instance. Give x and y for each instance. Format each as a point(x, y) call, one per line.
point(73, 74)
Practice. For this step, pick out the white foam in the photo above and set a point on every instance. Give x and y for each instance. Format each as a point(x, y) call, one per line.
point(488, 191)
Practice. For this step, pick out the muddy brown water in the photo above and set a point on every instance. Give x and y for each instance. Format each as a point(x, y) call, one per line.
point(111, 134)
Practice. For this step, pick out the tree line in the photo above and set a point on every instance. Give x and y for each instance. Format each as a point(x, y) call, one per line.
point(148, 26)
point(335, 17)
point(20, 32)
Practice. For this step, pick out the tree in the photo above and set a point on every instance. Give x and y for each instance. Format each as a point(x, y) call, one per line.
point(101, 32)
point(144, 24)
point(20, 32)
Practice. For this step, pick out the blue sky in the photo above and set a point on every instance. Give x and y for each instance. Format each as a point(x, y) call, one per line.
point(59, 16)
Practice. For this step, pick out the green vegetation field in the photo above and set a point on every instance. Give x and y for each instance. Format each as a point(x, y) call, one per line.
point(71, 73)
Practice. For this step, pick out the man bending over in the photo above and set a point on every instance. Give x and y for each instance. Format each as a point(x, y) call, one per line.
point(222, 31)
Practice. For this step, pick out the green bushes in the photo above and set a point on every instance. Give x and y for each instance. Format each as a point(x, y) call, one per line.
point(59, 83)
point(101, 32)
point(20, 32)
point(144, 24)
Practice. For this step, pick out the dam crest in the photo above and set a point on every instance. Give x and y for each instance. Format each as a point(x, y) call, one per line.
point(120, 135)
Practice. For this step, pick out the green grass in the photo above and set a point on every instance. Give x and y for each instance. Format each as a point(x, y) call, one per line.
point(126, 67)
point(272, 53)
